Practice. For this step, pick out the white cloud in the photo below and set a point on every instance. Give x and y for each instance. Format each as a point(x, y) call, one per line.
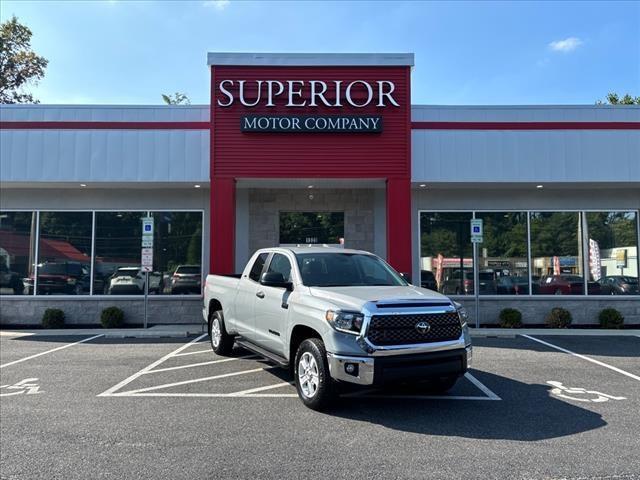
point(565, 46)
point(217, 4)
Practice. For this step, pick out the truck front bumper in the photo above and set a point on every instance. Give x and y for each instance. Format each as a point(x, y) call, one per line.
point(389, 369)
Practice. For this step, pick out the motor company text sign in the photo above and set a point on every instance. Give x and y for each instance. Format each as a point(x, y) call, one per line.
point(311, 123)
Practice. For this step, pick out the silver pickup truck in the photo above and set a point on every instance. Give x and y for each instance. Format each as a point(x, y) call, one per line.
point(336, 315)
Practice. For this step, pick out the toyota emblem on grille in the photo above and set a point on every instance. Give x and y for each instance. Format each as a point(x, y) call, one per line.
point(423, 327)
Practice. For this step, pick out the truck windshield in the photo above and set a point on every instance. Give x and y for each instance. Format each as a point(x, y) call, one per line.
point(346, 270)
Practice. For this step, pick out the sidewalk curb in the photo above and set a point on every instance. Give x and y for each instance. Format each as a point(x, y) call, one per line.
point(564, 332)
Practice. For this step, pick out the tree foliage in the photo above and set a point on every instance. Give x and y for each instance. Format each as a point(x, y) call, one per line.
point(614, 99)
point(176, 99)
point(19, 65)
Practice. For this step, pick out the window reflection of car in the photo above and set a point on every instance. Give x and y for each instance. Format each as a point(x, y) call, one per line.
point(71, 278)
point(186, 279)
point(619, 285)
point(428, 280)
point(126, 281)
point(10, 280)
point(455, 285)
point(512, 285)
point(566, 285)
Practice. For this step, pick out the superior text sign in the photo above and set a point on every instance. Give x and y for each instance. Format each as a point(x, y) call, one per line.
point(312, 123)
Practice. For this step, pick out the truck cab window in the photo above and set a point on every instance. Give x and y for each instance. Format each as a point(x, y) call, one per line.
point(280, 264)
point(258, 265)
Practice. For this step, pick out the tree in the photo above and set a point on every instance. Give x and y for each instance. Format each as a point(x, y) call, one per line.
point(614, 99)
point(176, 99)
point(19, 65)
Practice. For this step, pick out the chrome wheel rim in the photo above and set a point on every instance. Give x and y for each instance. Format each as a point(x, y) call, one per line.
point(308, 376)
point(216, 333)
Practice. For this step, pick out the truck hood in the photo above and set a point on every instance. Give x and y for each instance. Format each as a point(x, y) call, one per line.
point(355, 297)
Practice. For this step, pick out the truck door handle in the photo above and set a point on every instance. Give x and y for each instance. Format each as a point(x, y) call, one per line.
point(260, 294)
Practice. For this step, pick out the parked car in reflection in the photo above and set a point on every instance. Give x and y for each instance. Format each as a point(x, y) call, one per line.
point(566, 285)
point(186, 279)
point(428, 280)
point(456, 284)
point(126, 281)
point(619, 285)
point(512, 285)
point(10, 280)
point(68, 278)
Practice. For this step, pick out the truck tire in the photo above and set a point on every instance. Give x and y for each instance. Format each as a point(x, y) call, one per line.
point(315, 386)
point(221, 341)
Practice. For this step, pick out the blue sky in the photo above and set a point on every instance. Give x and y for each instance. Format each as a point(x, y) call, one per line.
point(117, 51)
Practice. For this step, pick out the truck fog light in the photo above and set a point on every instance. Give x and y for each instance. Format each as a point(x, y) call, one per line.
point(351, 368)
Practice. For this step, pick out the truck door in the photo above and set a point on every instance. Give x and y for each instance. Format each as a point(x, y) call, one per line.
point(271, 307)
point(245, 300)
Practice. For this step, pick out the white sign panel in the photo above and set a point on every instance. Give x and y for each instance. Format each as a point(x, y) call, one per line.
point(147, 226)
point(476, 231)
point(147, 241)
point(146, 268)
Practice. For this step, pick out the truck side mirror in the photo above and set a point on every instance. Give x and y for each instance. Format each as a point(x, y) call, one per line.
point(275, 279)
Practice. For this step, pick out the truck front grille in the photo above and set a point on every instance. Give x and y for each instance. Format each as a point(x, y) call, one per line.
point(403, 329)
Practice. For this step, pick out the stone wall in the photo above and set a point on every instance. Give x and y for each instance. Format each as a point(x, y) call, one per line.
point(357, 205)
point(584, 310)
point(81, 311)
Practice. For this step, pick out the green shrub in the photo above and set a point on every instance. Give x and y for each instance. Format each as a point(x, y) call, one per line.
point(53, 318)
point(611, 318)
point(510, 318)
point(559, 318)
point(112, 317)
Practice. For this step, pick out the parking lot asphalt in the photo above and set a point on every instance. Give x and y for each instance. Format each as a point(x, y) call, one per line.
point(568, 408)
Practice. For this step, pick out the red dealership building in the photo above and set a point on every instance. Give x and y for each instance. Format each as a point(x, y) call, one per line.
point(318, 149)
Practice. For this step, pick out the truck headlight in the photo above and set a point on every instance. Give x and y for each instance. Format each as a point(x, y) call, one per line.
point(348, 322)
point(462, 313)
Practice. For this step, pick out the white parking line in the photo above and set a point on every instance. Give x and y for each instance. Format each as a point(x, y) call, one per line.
point(481, 386)
point(51, 351)
point(200, 364)
point(194, 380)
point(584, 357)
point(193, 353)
point(151, 366)
point(261, 389)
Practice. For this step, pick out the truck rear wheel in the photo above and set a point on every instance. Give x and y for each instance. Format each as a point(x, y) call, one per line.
point(221, 341)
point(315, 386)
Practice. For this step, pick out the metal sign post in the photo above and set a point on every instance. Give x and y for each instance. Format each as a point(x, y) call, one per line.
point(476, 238)
point(146, 260)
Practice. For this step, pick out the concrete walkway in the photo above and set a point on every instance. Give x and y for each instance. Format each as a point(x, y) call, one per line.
point(157, 331)
point(179, 331)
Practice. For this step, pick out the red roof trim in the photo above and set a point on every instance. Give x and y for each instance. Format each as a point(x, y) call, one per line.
point(64, 125)
point(525, 125)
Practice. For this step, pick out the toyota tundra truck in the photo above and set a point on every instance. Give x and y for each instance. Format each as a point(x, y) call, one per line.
point(335, 315)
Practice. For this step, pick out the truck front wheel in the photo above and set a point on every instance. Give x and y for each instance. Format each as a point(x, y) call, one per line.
point(313, 381)
point(221, 341)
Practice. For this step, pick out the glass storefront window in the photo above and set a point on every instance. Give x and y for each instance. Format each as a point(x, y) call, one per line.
point(117, 254)
point(17, 252)
point(502, 257)
point(613, 252)
point(556, 253)
point(308, 228)
point(177, 253)
point(64, 253)
point(446, 261)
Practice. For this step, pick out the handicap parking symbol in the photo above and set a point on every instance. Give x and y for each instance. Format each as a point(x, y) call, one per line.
point(27, 386)
point(583, 395)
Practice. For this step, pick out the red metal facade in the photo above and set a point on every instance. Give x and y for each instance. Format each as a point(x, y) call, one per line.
point(283, 155)
point(384, 155)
